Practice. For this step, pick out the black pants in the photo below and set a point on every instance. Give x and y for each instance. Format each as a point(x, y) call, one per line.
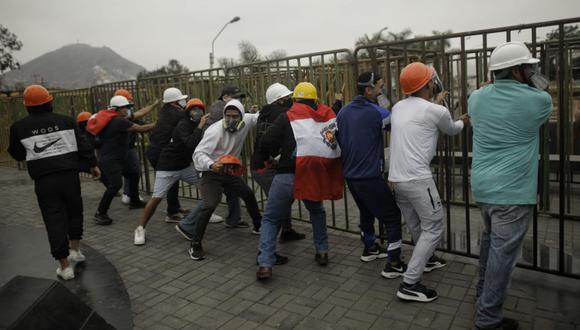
point(61, 204)
point(211, 188)
point(113, 172)
point(173, 205)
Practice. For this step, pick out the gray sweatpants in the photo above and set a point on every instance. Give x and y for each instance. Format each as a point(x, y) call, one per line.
point(420, 206)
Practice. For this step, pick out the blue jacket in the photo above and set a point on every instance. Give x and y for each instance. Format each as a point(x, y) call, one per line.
point(360, 136)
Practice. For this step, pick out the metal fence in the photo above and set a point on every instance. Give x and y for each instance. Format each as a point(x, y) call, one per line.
point(462, 61)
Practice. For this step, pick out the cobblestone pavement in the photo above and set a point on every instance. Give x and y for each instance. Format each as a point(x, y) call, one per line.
point(170, 291)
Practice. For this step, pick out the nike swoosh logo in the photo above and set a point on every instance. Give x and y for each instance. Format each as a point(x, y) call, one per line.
point(38, 149)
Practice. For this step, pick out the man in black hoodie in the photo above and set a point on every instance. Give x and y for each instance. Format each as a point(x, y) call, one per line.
point(53, 147)
point(171, 113)
point(174, 164)
point(279, 101)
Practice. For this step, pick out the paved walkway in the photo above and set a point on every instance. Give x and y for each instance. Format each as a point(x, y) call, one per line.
point(170, 291)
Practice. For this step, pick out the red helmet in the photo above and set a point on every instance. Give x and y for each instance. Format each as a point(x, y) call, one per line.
point(232, 165)
point(36, 95)
point(414, 76)
point(83, 116)
point(125, 93)
point(195, 102)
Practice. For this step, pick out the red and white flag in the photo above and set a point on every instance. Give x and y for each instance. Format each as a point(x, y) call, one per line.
point(318, 167)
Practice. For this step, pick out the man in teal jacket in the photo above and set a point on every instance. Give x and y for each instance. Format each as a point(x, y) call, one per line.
point(506, 116)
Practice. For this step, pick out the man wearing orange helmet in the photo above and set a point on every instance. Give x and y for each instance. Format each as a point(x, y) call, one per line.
point(415, 125)
point(52, 146)
point(225, 137)
point(134, 163)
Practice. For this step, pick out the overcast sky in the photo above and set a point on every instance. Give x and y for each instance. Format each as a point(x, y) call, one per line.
point(150, 33)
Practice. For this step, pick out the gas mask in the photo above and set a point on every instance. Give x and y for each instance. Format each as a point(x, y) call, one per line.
point(196, 115)
point(534, 78)
point(182, 103)
point(287, 103)
point(383, 101)
point(232, 126)
point(437, 84)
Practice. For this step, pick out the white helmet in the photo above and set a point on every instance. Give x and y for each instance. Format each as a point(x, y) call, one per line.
point(510, 54)
point(173, 94)
point(276, 91)
point(119, 102)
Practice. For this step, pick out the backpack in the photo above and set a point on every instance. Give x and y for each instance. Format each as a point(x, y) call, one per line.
point(100, 120)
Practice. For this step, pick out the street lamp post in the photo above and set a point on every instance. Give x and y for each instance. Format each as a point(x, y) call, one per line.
point(211, 56)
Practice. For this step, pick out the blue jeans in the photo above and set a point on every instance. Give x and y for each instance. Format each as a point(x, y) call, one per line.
point(280, 200)
point(501, 240)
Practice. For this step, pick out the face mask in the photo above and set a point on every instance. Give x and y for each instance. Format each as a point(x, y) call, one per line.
point(182, 103)
point(534, 78)
point(129, 113)
point(233, 125)
point(437, 84)
point(196, 115)
point(287, 103)
point(383, 101)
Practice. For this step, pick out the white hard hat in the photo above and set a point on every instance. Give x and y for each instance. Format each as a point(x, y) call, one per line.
point(276, 91)
point(173, 94)
point(119, 102)
point(510, 54)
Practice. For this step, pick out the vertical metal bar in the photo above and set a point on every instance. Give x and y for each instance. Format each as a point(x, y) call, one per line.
point(540, 176)
point(464, 149)
point(562, 118)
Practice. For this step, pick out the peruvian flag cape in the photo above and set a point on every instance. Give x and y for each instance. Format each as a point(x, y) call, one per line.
point(318, 167)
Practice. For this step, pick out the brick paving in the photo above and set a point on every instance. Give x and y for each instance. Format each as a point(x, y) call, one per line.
point(170, 291)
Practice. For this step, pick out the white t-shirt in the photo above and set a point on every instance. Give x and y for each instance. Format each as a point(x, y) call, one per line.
point(415, 125)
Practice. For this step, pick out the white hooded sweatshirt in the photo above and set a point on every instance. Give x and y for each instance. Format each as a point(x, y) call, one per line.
point(217, 142)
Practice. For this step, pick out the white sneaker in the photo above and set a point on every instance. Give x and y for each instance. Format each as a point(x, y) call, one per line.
point(66, 274)
point(215, 218)
point(125, 199)
point(76, 256)
point(139, 236)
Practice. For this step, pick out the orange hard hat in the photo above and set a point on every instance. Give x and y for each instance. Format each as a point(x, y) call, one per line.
point(83, 116)
point(195, 102)
point(232, 165)
point(125, 93)
point(36, 95)
point(414, 76)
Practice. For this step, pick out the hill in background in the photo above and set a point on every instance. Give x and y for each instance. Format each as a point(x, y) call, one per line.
point(73, 66)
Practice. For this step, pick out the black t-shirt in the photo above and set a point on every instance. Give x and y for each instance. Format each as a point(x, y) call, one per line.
point(114, 140)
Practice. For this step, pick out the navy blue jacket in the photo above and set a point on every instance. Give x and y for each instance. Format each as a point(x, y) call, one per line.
point(360, 135)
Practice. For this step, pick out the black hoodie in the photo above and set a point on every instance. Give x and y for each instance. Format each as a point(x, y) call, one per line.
point(177, 155)
point(267, 116)
point(49, 142)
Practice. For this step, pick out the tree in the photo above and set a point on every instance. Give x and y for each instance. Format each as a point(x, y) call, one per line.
point(8, 43)
point(173, 67)
point(276, 55)
point(570, 31)
point(248, 52)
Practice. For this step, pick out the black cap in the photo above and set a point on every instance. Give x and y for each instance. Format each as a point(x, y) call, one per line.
point(233, 92)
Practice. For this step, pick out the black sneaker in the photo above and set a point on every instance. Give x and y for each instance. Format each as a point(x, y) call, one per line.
point(184, 211)
point(256, 231)
point(173, 218)
point(241, 224)
point(196, 251)
point(393, 271)
point(416, 292)
point(102, 219)
point(435, 263)
point(183, 233)
point(280, 259)
point(506, 324)
point(375, 252)
point(137, 205)
point(321, 259)
point(290, 235)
